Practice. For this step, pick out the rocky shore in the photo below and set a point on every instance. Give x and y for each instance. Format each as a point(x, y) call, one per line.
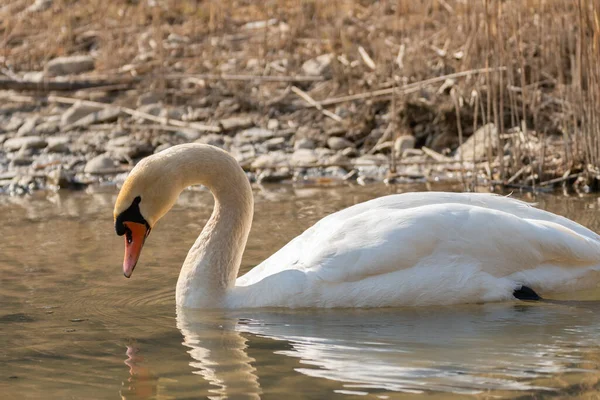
point(384, 94)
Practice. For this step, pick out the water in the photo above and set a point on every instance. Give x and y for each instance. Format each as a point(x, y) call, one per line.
point(71, 327)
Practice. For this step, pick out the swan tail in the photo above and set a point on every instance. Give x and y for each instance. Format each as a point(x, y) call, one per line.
point(525, 293)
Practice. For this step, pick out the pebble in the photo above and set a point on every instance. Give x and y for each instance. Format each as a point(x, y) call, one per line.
point(317, 66)
point(304, 143)
point(99, 164)
point(149, 98)
point(304, 157)
point(338, 143)
point(109, 114)
point(76, 112)
point(254, 135)
point(403, 143)
point(235, 123)
point(32, 142)
point(28, 127)
point(69, 65)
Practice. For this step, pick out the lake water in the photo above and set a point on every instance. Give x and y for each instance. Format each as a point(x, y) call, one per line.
point(72, 327)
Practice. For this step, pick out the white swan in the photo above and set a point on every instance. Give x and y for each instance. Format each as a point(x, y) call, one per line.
point(407, 249)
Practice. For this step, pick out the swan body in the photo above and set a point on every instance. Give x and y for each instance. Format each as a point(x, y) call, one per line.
point(406, 249)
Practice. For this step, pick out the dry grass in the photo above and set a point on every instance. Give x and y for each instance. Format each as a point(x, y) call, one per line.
point(549, 51)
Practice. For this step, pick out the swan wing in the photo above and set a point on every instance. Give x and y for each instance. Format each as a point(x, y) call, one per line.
point(499, 235)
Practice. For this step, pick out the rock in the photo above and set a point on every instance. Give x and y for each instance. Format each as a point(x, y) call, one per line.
point(99, 165)
point(76, 112)
point(475, 148)
point(172, 113)
point(69, 65)
point(235, 123)
point(403, 143)
point(21, 160)
point(338, 143)
point(60, 178)
point(320, 65)
point(349, 152)
point(214, 139)
point(58, 144)
point(272, 159)
point(303, 157)
point(109, 114)
point(39, 5)
point(29, 142)
point(276, 143)
point(198, 114)
point(28, 127)
point(128, 147)
point(34, 76)
point(152, 109)
point(304, 143)
point(254, 135)
point(384, 147)
point(14, 124)
point(47, 127)
point(162, 147)
point(273, 125)
point(274, 175)
point(149, 98)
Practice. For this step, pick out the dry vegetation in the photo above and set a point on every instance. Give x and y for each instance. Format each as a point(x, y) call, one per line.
point(434, 69)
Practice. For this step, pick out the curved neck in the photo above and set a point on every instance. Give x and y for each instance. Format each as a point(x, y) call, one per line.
point(213, 262)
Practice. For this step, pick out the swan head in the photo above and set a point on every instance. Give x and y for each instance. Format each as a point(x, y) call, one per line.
point(147, 195)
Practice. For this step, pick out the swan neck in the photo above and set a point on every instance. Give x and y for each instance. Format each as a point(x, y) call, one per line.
point(213, 262)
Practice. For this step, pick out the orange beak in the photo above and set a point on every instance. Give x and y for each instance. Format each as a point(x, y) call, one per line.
point(134, 241)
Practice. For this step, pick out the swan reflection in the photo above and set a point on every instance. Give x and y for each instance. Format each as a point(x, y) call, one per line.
point(463, 350)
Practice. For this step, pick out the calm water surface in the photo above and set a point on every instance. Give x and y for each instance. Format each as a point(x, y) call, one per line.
point(71, 327)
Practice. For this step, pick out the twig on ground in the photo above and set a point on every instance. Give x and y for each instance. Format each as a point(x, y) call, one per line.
point(366, 58)
point(135, 113)
point(410, 88)
point(306, 97)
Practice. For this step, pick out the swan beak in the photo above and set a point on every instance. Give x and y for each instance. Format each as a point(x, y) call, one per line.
point(134, 241)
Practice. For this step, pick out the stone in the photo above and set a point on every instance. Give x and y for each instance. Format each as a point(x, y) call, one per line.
point(29, 142)
point(276, 143)
point(349, 152)
point(304, 143)
point(270, 160)
point(198, 114)
point(152, 109)
point(109, 114)
point(69, 65)
point(475, 148)
point(58, 144)
point(47, 127)
point(21, 161)
point(162, 147)
point(318, 66)
point(254, 135)
point(403, 143)
point(149, 98)
point(303, 157)
point(274, 175)
point(273, 124)
point(235, 123)
point(214, 139)
point(28, 128)
point(14, 124)
point(338, 143)
point(60, 178)
point(39, 6)
point(76, 112)
point(99, 165)
point(172, 113)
